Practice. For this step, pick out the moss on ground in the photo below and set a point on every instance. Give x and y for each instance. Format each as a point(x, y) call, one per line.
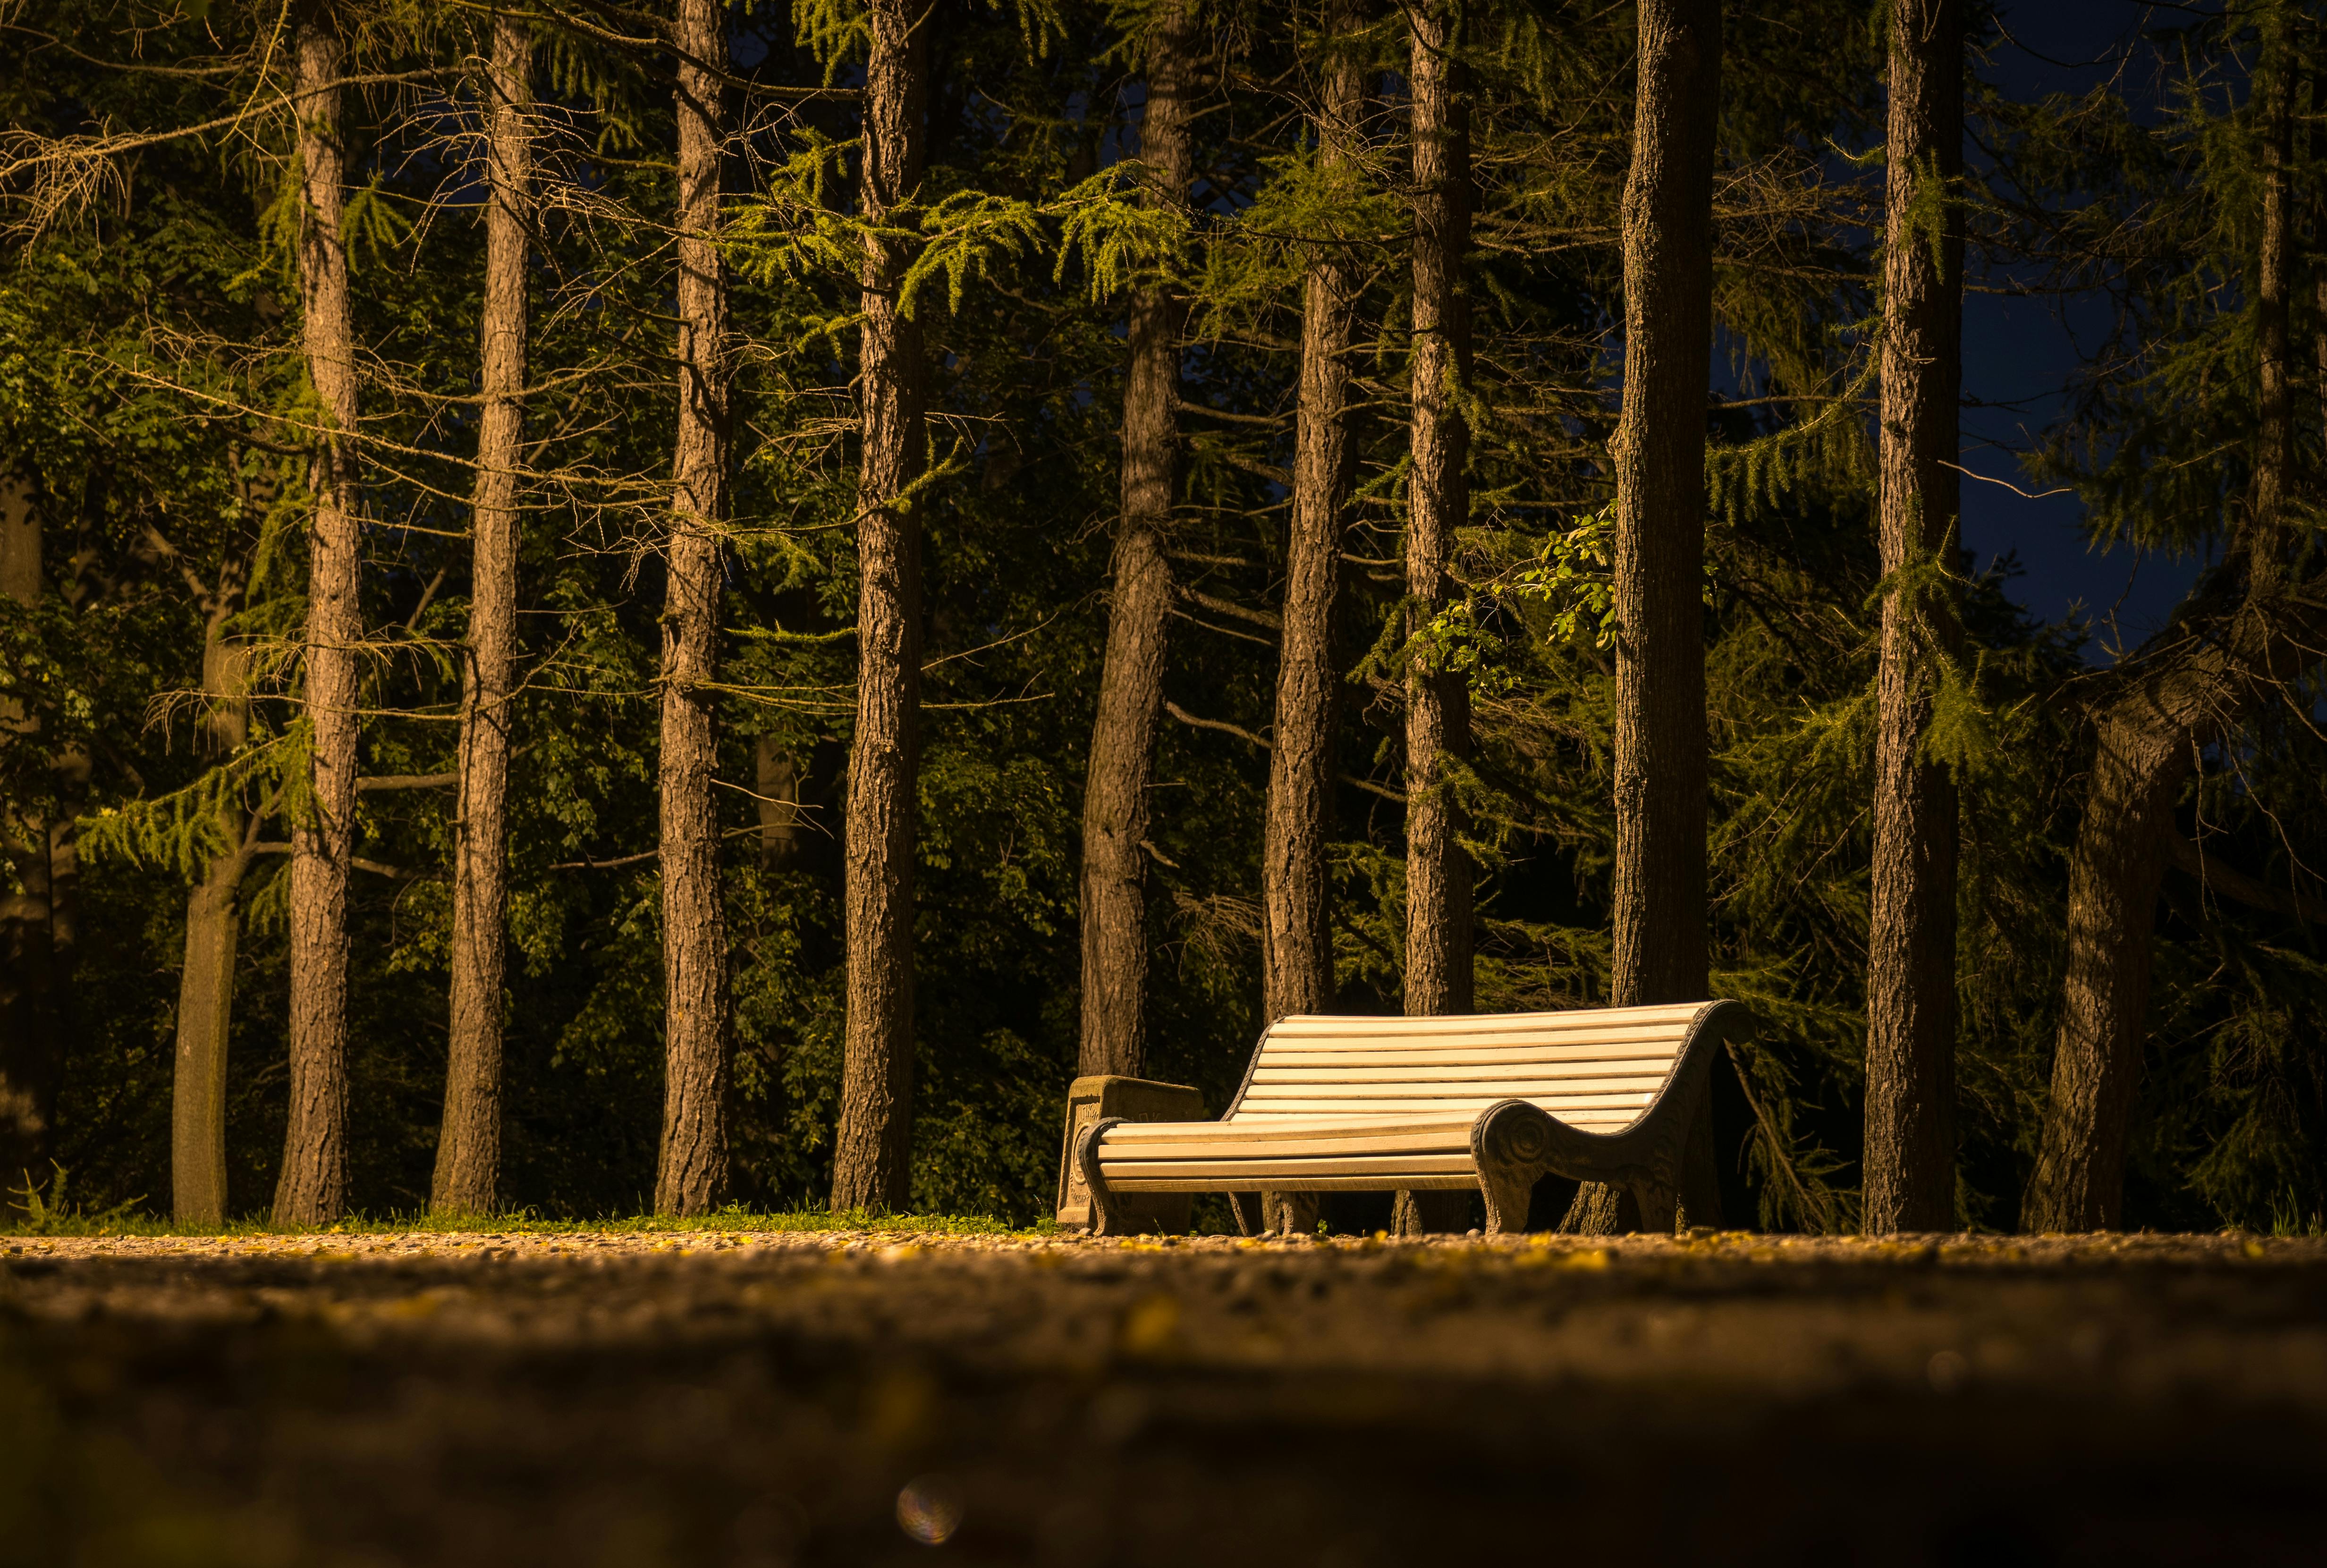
point(48, 1220)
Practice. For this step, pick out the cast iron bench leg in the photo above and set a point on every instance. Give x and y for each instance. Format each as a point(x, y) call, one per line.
point(1510, 1144)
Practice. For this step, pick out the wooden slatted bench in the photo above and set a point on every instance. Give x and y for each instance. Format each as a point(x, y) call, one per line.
point(1488, 1101)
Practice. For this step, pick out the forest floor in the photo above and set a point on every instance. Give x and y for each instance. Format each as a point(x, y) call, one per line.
point(758, 1399)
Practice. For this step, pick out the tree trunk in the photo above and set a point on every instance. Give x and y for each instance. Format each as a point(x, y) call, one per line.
point(1297, 944)
point(1659, 567)
point(2140, 758)
point(779, 803)
point(29, 1022)
point(2146, 744)
point(198, 1194)
point(2273, 457)
point(1131, 681)
point(1911, 976)
point(1438, 503)
point(469, 1149)
point(872, 1152)
point(692, 1170)
point(1437, 703)
point(314, 1186)
point(198, 1191)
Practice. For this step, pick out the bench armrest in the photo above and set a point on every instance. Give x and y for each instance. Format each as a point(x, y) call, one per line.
point(1112, 1098)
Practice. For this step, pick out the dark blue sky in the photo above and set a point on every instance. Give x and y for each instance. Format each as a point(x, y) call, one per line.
point(2018, 353)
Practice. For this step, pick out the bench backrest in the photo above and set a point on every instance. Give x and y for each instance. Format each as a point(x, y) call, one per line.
point(1595, 1071)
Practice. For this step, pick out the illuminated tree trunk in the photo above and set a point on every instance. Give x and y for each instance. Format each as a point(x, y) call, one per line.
point(692, 1169)
point(1296, 948)
point(1139, 602)
point(1438, 503)
point(1660, 565)
point(1911, 978)
point(871, 1155)
point(469, 1148)
point(313, 1188)
point(1437, 710)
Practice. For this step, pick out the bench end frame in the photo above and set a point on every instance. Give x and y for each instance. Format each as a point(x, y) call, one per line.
point(1515, 1144)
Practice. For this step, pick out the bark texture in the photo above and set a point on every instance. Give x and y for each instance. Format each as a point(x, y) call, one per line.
point(872, 1155)
point(778, 790)
point(313, 1185)
point(30, 988)
point(1660, 556)
point(2224, 662)
point(1438, 503)
point(1297, 942)
point(2274, 458)
point(2141, 757)
point(1911, 980)
point(1659, 453)
point(1131, 682)
point(469, 1148)
point(198, 1190)
point(691, 1168)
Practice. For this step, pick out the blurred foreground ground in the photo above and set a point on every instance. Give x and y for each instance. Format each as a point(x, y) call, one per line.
point(818, 1399)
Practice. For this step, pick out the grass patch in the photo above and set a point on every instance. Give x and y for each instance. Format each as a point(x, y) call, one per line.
point(47, 1210)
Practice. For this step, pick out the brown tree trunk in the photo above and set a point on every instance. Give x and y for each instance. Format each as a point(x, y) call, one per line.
point(2319, 313)
point(314, 1186)
point(1131, 680)
point(1437, 703)
point(2273, 457)
point(469, 1148)
point(779, 803)
point(2144, 746)
point(692, 1170)
point(872, 1164)
point(198, 1191)
point(2141, 756)
point(1911, 976)
point(1659, 567)
point(1438, 503)
point(29, 1022)
point(1296, 945)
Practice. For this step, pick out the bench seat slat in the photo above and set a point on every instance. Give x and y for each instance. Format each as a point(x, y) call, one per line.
point(1274, 1060)
point(1502, 1073)
point(1299, 1183)
point(1322, 1129)
point(1590, 1118)
point(1262, 1169)
point(1533, 1024)
point(1657, 1039)
point(1614, 1115)
point(1596, 1092)
point(1447, 1141)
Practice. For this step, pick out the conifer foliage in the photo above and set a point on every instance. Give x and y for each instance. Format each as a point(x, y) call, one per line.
point(614, 607)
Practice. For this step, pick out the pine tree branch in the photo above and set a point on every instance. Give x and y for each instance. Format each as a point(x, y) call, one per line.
point(407, 781)
point(1225, 728)
point(1228, 606)
point(2220, 877)
point(378, 868)
point(644, 855)
point(1271, 421)
point(1242, 733)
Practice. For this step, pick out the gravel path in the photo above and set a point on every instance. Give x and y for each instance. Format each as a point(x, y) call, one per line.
point(733, 1398)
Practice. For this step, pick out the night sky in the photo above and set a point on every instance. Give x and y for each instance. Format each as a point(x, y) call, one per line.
point(2018, 353)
